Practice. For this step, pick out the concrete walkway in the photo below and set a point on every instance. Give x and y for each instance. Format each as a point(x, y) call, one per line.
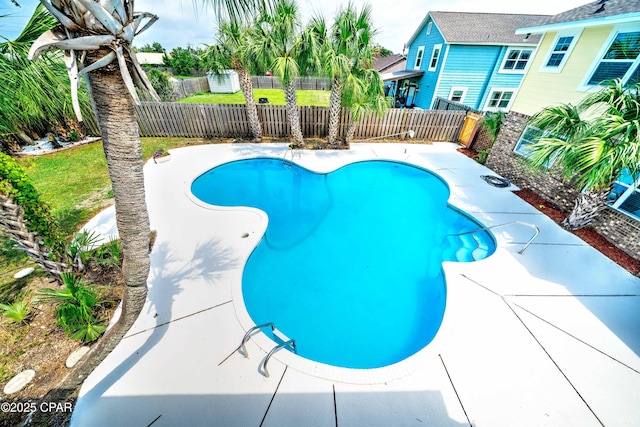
point(547, 338)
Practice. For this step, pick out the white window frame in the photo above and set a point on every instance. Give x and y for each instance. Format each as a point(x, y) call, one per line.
point(585, 86)
point(558, 68)
point(436, 48)
point(503, 90)
point(620, 199)
point(506, 58)
point(458, 89)
point(429, 27)
point(419, 58)
point(527, 155)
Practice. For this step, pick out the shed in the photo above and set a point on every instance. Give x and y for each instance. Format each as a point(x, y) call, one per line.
point(225, 82)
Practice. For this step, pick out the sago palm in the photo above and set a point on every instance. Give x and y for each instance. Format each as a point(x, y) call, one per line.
point(231, 51)
point(591, 143)
point(289, 51)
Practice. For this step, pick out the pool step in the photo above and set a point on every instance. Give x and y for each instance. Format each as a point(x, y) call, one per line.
point(466, 247)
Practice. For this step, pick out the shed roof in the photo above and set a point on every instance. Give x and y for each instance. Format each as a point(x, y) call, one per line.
point(482, 28)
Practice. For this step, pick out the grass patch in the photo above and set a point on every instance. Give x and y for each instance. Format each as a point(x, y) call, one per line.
point(75, 183)
point(318, 98)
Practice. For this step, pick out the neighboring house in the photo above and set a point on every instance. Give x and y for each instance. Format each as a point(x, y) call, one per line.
point(389, 64)
point(579, 49)
point(474, 59)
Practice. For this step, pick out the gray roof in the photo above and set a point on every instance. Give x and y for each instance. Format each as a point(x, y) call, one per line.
point(383, 62)
point(595, 9)
point(485, 28)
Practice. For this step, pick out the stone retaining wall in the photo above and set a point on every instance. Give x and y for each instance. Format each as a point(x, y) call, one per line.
point(618, 228)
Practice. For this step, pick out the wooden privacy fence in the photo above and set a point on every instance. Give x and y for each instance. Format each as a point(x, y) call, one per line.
point(229, 121)
point(188, 87)
point(304, 83)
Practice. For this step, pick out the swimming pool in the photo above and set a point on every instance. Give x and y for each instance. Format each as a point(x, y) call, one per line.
point(350, 265)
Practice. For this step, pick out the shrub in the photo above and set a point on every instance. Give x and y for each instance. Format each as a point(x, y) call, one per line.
point(160, 82)
point(76, 304)
point(17, 312)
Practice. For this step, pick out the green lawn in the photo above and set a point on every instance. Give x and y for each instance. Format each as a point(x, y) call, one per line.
point(75, 183)
point(275, 96)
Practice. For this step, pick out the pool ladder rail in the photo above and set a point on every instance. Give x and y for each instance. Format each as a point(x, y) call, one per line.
point(537, 231)
point(286, 343)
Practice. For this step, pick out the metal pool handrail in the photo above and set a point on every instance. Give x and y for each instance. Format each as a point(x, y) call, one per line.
point(291, 343)
point(248, 335)
point(502, 225)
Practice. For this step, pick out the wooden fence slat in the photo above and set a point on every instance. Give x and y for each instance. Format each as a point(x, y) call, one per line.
point(207, 120)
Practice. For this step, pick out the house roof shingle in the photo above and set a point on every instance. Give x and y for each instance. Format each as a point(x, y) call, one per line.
point(595, 9)
point(483, 28)
point(383, 62)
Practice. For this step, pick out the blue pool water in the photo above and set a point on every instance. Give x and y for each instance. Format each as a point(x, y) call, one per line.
point(350, 265)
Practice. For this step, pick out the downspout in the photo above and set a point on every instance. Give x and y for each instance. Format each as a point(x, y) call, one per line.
point(485, 85)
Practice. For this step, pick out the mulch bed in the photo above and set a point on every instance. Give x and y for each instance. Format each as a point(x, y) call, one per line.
point(588, 234)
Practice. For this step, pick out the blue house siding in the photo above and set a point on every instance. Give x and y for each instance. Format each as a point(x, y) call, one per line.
point(501, 80)
point(427, 83)
point(469, 66)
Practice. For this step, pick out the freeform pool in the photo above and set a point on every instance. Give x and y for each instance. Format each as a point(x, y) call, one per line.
point(350, 265)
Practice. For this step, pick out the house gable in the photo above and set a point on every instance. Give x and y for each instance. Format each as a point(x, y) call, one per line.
point(471, 50)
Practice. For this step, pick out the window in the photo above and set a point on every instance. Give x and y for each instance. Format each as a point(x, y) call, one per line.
point(620, 61)
point(499, 99)
point(559, 53)
point(530, 136)
point(457, 94)
point(515, 61)
point(429, 27)
point(625, 196)
point(434, 57)
point(419, 56)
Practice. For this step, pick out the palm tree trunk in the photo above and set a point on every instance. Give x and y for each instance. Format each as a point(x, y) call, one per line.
point(252, 112)
point(586, 208)
point(335, 108)
point(351, 131)
point(122, 148)
point(292, 115)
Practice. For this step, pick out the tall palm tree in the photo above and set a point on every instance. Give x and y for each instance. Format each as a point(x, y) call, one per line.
point(97, 37)
point(288, 50)
point(231, 52)
point(347, 49)
point(591, 143)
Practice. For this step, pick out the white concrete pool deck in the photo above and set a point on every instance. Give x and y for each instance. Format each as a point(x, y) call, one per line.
point(550, 337)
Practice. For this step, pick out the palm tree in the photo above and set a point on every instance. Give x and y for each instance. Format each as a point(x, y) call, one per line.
point(347, 49)
point(282, 46)
point(97, 41)
point(363, 94)
point(591, 143)
point(231, 52)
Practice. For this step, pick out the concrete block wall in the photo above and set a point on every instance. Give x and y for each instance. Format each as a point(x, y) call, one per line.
point(618, 228)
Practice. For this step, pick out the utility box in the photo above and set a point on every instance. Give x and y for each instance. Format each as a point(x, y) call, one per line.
point(225, 82)
point(470, 126)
